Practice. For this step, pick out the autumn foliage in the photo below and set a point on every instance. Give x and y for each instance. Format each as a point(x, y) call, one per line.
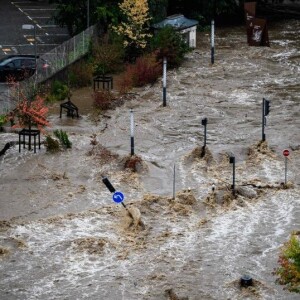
point(29, 113)
point(145, 70)
point(134, 28)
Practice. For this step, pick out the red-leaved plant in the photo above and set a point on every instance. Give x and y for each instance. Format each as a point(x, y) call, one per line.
point(29, 113)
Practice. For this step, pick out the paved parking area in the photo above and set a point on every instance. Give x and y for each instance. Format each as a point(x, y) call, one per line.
point(15, 40)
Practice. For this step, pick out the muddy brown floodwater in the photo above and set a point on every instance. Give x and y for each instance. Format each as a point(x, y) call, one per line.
point(62, 236)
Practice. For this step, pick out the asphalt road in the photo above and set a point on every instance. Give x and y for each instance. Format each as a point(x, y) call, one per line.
point(15, 40)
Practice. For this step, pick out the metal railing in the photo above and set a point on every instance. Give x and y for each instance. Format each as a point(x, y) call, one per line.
point(65, 54)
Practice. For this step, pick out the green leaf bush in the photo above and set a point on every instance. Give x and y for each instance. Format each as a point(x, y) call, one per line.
point(63, 138)
point(289, 261)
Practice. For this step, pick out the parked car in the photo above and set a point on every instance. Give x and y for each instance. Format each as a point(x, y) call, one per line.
point(17, 67)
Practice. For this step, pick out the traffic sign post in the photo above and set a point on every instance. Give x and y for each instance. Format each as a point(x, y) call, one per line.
point(204, 123)
point(285, 153)
point(118, 197)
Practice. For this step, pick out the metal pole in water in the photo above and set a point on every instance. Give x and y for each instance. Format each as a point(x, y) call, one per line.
point(212, 42)
point(232, 161)
point(131, 132)
point(285, 173)
point(204, 123)
point(174, 176)
point(263, 121)
point(164, 81)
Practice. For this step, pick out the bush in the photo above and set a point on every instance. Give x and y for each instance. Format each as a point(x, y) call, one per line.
point(146, 70)
point(170, 44)
point(63, 138)
point(59, 91)
point(289, 260)
point(3, 120)
point(81, 74)
point(51, 144)
point(103, 99)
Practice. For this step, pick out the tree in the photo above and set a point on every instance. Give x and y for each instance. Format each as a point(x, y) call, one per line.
point(157, 10)
point(30, 113)
point(169, 43)
point(73, 13)
point(134, 28)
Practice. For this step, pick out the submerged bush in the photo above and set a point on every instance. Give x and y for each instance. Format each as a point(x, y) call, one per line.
point(3, 120)
point(103, 99)
point(63, 138)
point(52, 145)
point(289, 260)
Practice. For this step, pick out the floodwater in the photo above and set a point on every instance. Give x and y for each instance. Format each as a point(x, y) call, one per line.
point(62, 236)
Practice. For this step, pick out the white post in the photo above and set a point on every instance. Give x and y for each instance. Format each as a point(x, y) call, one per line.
point(131, 132)
point(212, 41)
point(285, 173)
point(164, 81)
point(174, 177)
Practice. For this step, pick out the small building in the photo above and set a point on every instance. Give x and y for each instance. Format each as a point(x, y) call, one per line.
point(187, 27)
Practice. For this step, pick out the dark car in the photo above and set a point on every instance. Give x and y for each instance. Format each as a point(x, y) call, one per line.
point(17, 67)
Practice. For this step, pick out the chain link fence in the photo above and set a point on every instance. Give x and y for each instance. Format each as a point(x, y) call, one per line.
point(48, 65)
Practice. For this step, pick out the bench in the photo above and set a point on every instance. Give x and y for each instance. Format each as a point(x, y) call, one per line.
point(29, 132)
point(70, 107)
point(107, 82)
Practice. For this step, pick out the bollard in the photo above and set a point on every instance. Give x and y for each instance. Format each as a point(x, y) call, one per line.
point(246, 281)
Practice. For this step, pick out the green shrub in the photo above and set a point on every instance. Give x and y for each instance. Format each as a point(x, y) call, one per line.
point(59, 91)
point(170, 44)
point(51, 144)
point(289, 260)
point(63, 138)
point(3, 120)
point(81, 74)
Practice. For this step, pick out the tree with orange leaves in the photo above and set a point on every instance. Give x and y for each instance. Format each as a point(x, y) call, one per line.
point(30, 113)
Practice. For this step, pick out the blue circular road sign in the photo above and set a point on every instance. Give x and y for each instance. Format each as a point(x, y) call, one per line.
point(118, 197)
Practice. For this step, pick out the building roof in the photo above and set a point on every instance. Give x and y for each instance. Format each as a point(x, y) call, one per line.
point(178, 22)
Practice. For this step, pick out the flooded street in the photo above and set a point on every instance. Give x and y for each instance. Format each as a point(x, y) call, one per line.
point(62, 236)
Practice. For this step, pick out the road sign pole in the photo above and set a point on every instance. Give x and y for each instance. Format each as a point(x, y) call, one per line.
point(118, 197)
point(285, 153)
point(285, 176)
